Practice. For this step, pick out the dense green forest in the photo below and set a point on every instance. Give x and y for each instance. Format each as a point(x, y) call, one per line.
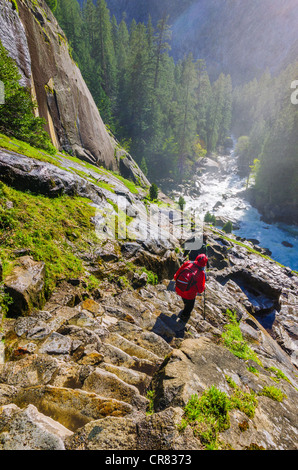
point(265, 122)
point(17, 116)
point(166, 114)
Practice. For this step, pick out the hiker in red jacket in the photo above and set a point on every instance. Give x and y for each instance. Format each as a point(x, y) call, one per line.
point(190, 281)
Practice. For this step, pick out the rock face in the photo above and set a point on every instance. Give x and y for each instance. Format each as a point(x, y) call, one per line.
point(63, 98)
point(13, 38)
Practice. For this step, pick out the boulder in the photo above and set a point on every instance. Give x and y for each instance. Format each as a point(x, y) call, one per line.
point(28, 429)
point(56, 344)
point(111, 433)
point(160, 431)
point(31, 370)
point(287, 244)
point(129, 169)
point(222, 220)
point(209, 165)
point(25, 285)
point(106, 384)
point(24, 173)
point(163, 266)
point(157, 432)
point(72, 408)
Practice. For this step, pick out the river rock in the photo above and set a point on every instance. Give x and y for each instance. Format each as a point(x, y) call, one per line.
point(25, 285)
point(287, 244)
point(209, 165)
point(221, 221)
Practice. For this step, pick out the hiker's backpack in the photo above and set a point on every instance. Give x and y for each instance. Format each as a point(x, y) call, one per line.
point(188, 277)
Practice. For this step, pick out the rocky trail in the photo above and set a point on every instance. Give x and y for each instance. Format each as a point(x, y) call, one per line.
point(93, 354)
point(114, 369)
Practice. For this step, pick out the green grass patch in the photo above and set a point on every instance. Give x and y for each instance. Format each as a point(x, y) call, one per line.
point(128, 183)
point(23, 148)
point(273, 393)
point(208, 415)
point(278, 374)
point(151, 394)
point(152, 277)
point(243, 401)
point(253, 370)
point(51, 230)
point(232, 338)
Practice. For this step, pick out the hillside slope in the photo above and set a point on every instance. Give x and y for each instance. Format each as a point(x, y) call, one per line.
point(102, 361)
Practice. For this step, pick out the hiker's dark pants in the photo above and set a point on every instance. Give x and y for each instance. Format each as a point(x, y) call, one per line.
point(188, 307)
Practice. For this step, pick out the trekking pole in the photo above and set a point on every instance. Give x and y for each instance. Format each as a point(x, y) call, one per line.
point(204, 312)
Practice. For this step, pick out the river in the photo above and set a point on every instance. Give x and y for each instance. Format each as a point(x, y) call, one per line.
point(224, 188)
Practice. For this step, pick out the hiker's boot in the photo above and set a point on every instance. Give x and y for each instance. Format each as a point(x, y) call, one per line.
point(184, 317)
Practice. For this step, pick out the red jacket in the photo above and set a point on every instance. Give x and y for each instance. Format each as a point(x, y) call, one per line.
point(199, 287)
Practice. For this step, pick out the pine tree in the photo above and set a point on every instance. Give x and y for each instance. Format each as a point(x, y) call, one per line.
point(203, 94)
point(168, 112)
point(104, 55)
point(185, 120)
point(137, 90)
point(161, 45)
